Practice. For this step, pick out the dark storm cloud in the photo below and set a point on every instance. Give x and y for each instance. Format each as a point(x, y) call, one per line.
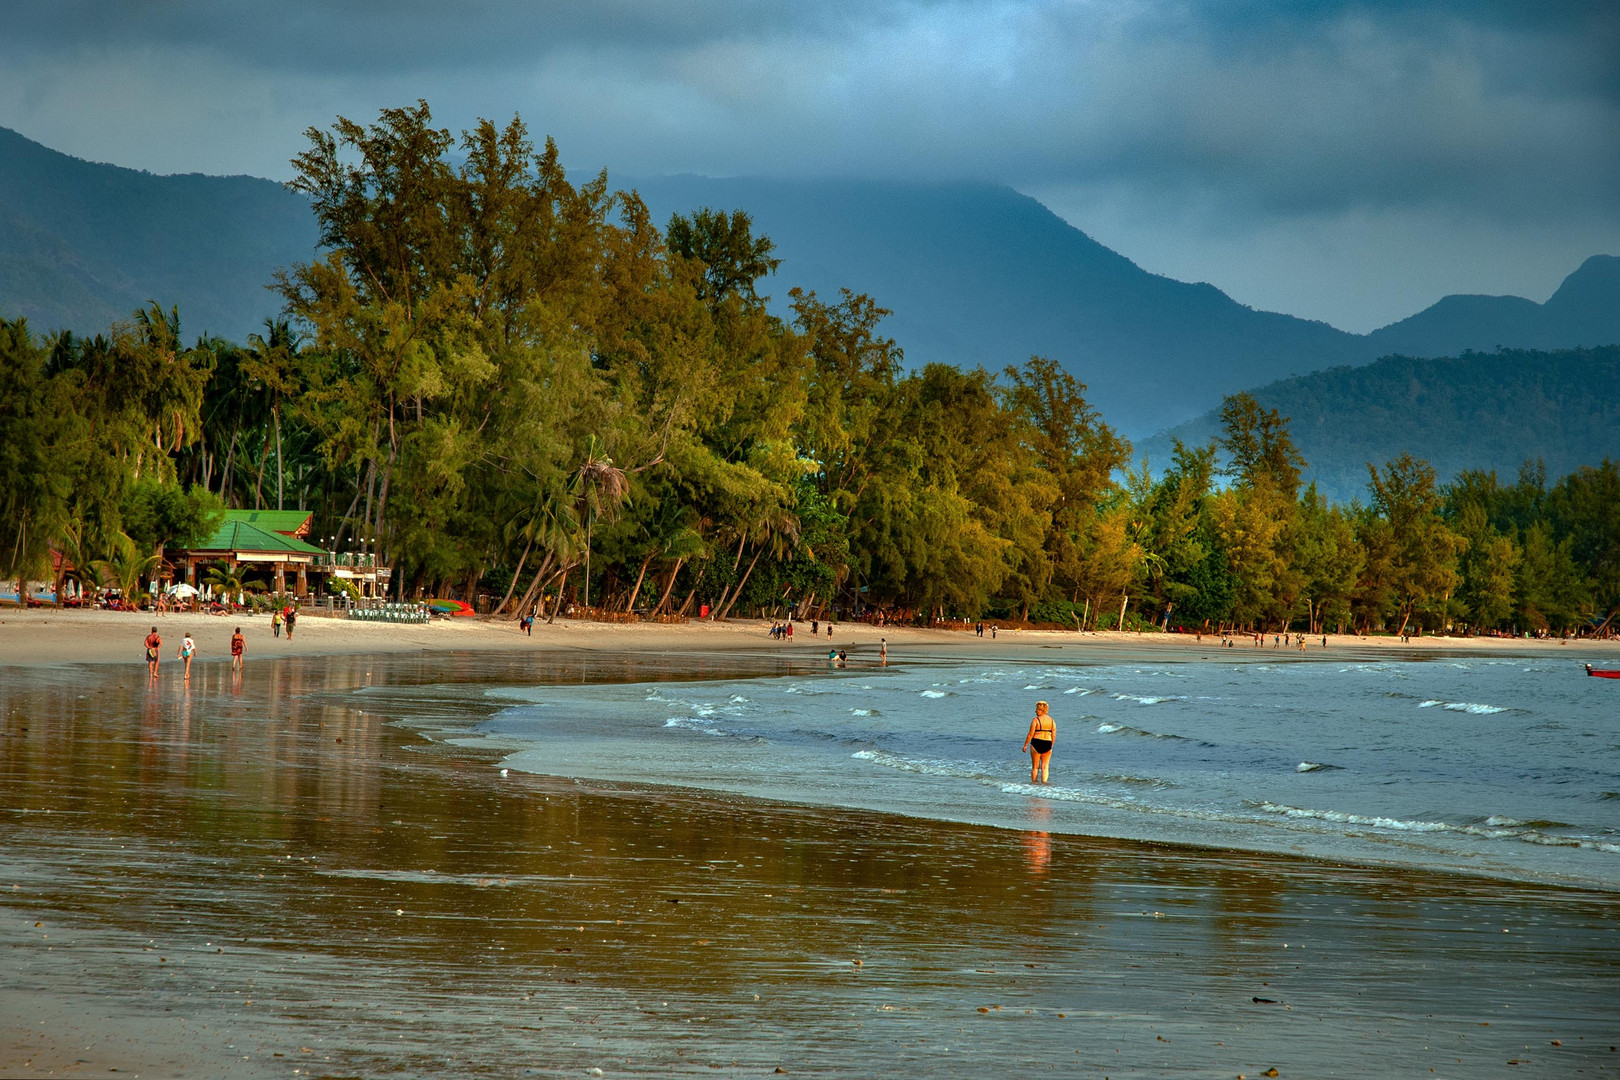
point(1275, 106)
point(360, 36)
point(1228, 116)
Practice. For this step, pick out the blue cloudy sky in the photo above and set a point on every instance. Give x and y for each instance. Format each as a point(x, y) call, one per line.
point(1344, 161)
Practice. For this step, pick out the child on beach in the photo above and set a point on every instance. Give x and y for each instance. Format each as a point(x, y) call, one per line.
point(153, 644)
point(238, 647)
point(1042, 733)
point(187, 647)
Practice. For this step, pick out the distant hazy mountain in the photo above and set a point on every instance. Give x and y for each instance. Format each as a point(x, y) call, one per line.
point(1475, 411)
point(975, 275)
point(82, 245)
point(981, 275)
point(1584, 311)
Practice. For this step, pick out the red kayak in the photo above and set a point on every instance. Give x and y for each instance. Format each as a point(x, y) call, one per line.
point(1599, 673)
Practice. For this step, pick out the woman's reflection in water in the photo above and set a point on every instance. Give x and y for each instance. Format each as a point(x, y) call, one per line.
point(1038, 842)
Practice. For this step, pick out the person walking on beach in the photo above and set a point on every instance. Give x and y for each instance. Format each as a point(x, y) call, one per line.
point(883, 649)
point(187, 648)
point(275, 622)
point(292, 619)
point(1038, 743)
point(154, 644)
point(238, 647)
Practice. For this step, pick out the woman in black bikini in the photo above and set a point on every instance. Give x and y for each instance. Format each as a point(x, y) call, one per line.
point(1042, 733)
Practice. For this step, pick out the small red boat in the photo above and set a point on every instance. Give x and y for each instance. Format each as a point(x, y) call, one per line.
point(1600, 673)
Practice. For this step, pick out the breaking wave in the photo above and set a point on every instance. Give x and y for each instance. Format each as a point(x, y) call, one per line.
point(1126, 729)
point(1492, 828)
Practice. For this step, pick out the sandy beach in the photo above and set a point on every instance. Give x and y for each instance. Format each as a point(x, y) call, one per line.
point(308, 873)
point(42, 636)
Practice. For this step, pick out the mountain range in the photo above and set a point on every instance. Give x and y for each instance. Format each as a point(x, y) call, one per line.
point(975, 275)
point(1486, 411)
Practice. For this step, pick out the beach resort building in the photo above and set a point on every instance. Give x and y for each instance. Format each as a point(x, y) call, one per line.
point(273, 545)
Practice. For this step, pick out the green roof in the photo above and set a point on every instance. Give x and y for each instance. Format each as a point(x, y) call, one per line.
point(281, 521)
point(235, 535)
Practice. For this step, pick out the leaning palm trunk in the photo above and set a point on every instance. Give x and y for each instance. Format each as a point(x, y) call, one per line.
point(562, 589)
point(726, 610)
point(538, 583)
point(635, 590)
point(516, 576)
point(663, 601)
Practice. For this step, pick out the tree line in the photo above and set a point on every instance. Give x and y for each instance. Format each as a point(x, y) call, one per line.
point(507, 383)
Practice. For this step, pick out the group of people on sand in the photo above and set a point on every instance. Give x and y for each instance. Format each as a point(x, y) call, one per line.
point(783, 631)
point(188, 649)
point(282, 617)
point(287, 616)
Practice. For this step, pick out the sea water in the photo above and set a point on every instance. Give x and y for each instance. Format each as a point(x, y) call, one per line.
point(1500, 767)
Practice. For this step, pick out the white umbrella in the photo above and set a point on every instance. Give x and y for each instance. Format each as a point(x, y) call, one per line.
point(183, 591)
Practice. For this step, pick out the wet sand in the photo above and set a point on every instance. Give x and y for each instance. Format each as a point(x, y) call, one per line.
point(263, 879)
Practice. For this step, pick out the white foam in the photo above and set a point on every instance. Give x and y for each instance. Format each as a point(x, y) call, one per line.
point(1312, 766)
point(1147, 700)
point(1126, 729)
point(937, 694)
point(1340, 817)
point(929, 766)
point(1488, 831)
point(1464, 706)
point(864, 712)
point(692, 723)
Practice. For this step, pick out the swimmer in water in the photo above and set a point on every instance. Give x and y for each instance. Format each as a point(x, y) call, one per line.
point(1042, 733)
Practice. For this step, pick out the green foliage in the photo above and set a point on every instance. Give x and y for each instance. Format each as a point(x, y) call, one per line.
point(1479, 411)
point(165, 515)
point(499, 380)
point(345, 589)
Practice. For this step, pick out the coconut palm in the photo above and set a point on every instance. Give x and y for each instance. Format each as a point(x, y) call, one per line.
point(125, 569)
point(231, 582)
point(601, 488)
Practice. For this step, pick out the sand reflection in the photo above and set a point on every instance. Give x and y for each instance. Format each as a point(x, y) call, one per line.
point(1037, 841)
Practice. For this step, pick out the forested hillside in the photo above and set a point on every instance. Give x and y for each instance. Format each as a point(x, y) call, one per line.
point(521, 389)
point(82, 245)
point(976, 275)
point(1490, 411)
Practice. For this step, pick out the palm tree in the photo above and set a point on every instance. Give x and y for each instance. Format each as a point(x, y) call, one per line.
point(775, 528)
point(272, 364)
point(231, 582)
point(601, 488)
point(126, 568)
point(75, 551)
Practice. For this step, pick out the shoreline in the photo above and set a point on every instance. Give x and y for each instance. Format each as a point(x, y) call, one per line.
point(247, 881)
point(47, 637)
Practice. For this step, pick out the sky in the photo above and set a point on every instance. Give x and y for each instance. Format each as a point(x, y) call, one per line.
point(1350, 162)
